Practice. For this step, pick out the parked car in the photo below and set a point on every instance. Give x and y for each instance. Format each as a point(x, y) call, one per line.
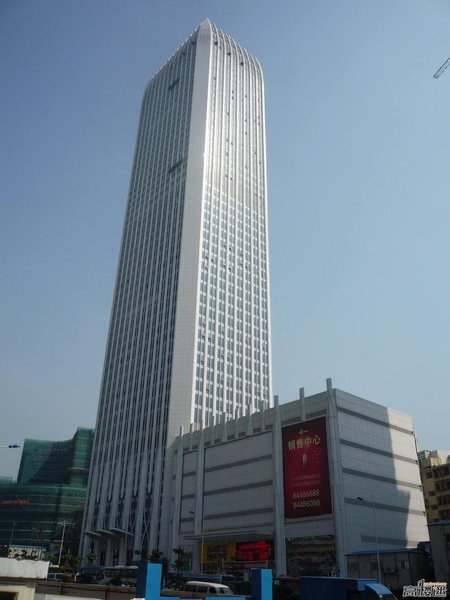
point(89, 575)
point(55, 577)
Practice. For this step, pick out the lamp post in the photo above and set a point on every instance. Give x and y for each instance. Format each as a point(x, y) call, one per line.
point(376, 533)
point(62, 542)
point(11, 537)
point(9, 445)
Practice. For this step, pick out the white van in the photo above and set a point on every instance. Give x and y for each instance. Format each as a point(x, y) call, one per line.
point(199, 589)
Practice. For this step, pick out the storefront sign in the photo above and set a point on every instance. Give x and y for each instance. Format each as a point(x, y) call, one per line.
point(260, 550)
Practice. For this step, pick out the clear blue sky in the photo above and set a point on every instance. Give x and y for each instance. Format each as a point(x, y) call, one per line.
point(358, 154)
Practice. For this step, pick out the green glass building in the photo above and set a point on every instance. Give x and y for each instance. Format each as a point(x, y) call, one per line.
point(50, 491)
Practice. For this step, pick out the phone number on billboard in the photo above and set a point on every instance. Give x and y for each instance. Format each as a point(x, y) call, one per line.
point(306, 503)
point(306, 494)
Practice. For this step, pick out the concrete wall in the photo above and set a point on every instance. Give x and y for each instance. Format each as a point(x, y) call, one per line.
point(19, 577)
point(26, 569)
point(49, 590)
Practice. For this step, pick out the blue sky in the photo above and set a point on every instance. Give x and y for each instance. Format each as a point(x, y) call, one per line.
point(358, 153)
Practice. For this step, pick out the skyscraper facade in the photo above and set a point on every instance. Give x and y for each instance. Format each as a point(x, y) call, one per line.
point(189, 336)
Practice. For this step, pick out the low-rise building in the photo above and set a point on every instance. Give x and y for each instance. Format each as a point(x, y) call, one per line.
point(398, 567)
point(435, 474)
point(297, 487)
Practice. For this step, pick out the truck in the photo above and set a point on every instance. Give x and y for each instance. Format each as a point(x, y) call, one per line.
point(342, 588)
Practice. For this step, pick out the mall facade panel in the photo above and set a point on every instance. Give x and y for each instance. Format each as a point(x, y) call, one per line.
point(298, 486)
point(189, 335)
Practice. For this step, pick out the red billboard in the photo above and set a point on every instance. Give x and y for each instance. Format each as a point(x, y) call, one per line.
point(305, 465)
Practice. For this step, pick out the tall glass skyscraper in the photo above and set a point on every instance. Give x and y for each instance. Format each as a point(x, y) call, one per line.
point(189, 337)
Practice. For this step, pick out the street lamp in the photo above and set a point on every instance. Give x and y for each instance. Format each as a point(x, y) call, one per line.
point(11, 537)
point(9, 445)
point(62, 542)
point(376, 534)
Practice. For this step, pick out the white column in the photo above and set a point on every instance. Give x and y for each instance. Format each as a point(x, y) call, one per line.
point(199, 503)
point(278, 504)
point(336, 482)
point(176, 515)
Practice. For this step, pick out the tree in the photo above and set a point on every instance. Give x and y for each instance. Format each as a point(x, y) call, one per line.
point(158, 557)
point(184, 559)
